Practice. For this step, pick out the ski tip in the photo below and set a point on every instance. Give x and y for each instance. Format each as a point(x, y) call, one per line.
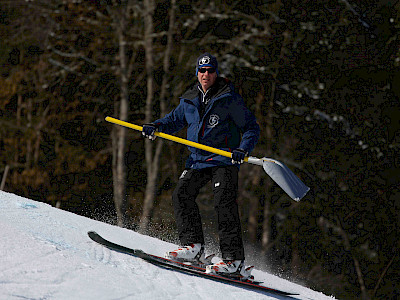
point(93, 235)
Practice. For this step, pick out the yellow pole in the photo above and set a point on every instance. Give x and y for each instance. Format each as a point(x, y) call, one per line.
point(174, 138)
point(281, 174)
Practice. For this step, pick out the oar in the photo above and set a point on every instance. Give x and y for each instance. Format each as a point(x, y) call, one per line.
point(281, 174)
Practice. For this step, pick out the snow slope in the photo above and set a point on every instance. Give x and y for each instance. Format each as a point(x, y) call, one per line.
point(45, 253)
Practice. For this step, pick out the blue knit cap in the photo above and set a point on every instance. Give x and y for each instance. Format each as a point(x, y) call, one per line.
point(206, 60)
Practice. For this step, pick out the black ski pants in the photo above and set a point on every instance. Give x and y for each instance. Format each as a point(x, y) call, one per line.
point(225, 185)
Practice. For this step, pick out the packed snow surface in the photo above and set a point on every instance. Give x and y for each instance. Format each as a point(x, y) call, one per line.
point(45, 253)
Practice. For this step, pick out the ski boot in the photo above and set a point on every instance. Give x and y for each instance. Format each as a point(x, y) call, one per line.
point(232, 269)
point(192, 254)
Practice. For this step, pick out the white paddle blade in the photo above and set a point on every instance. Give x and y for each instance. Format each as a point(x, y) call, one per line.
point(285, 178)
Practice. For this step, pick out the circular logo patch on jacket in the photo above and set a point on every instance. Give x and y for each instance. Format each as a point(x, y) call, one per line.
point(213, 121)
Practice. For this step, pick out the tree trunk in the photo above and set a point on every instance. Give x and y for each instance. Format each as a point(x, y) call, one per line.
point(266, 236)
point(119, 132)
point(254, 210)
point(364, 292)
point(153, 157)
point(4, 178)
point(266, 239)
point(149, 145)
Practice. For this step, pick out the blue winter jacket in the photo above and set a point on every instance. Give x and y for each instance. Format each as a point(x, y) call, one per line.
point(226, 124)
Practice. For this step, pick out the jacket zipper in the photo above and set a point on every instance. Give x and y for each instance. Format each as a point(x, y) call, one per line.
point(202, 130)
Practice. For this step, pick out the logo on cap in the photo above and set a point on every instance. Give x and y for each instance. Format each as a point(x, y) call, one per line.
point(204, 60)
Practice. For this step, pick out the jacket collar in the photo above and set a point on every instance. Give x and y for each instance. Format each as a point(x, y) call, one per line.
point(220, 87)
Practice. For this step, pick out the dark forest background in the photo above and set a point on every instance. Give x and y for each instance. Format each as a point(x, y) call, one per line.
point(322, 78)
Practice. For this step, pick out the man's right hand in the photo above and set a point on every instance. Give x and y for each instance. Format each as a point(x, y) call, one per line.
point(149, 130)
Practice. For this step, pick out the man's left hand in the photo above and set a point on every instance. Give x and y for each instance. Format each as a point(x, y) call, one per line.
point(238, 156)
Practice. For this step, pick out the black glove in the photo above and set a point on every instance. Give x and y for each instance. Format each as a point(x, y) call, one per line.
point(148, 131)
point(238, 156)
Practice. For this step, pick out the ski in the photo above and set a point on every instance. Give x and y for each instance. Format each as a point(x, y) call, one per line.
point(184, 268)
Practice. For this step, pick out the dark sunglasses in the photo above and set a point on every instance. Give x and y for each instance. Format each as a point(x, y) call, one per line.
point(210, 70)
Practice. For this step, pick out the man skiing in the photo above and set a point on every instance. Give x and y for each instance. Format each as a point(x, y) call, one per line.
point(215, 115)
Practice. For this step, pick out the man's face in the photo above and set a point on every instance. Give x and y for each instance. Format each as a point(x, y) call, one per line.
point(207, 78)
